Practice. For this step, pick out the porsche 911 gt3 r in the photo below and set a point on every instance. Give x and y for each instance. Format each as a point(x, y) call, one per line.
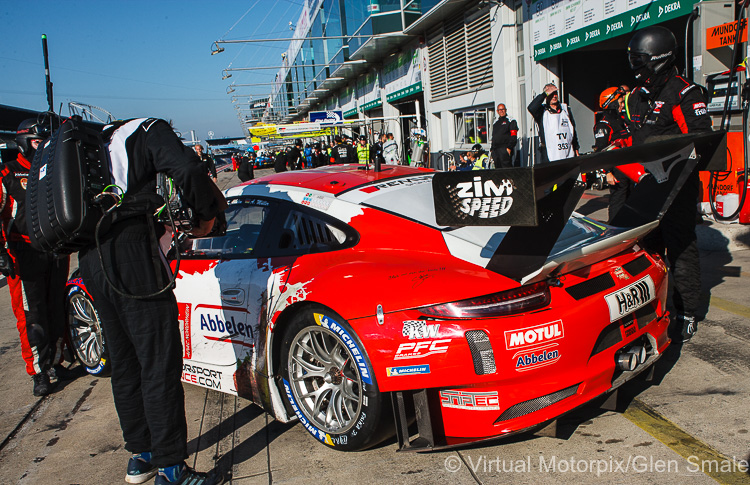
point(336, 295)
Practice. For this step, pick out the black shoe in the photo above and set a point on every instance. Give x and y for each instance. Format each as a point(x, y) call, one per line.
point(139, 470)
point(42, 385)
point(688, 327)
point(188, 476)
point(61, 373)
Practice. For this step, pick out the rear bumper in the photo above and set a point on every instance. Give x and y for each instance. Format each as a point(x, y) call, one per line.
point(456, 416)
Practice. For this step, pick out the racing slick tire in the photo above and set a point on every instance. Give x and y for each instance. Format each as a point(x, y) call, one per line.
point(86, 333)
point(328, 381)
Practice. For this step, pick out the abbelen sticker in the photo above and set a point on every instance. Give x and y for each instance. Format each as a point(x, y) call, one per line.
point(502, 197)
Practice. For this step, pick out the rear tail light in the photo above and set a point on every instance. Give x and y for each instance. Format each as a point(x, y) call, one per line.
point(517, 300)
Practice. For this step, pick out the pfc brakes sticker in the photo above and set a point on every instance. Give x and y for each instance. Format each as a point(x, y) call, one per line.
point(417, 350)
point(322, 436)
point(345, 337)
point(631, 298)
point(473, 401)
point(539, 334)
point(408, 370)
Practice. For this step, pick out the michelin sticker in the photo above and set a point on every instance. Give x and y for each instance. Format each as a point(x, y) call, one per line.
point(345, 337)
point(408, 370)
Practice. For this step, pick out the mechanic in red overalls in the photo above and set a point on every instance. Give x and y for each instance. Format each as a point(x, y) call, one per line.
point(36, 279)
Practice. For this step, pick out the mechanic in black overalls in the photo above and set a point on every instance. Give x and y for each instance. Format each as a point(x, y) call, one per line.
point(143, 335)
point(665, 103)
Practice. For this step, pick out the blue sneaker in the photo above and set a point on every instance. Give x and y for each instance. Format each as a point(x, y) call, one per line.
point(184, 475)
point(140, 468)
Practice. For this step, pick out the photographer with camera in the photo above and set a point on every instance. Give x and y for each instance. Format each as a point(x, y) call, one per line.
point(143, 334)
point(36, 279)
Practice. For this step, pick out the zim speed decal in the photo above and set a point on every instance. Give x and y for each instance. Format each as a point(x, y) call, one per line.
point(359, 357)
point(502, 197)
point(630, 298)
point(474, 401)
point(539, 334)
point(409, 370)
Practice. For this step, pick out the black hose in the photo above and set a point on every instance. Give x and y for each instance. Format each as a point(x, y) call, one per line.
point(713, 179)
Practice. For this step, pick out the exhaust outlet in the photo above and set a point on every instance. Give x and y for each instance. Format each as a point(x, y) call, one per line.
point(627, 361)
point(640, 352)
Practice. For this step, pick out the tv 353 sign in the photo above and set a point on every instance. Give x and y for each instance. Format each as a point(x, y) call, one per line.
point(502, 197)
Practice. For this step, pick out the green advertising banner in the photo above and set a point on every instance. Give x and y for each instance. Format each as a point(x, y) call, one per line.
point(624, 23)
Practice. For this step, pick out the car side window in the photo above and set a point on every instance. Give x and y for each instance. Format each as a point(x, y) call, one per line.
point(305, 232)
point(246, 219)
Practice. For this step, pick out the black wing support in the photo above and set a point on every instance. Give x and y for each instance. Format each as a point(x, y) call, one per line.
point(537, 202)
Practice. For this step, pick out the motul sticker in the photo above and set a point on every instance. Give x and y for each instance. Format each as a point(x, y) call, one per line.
point(473, 401)
point(630, 298)
point(539, 334)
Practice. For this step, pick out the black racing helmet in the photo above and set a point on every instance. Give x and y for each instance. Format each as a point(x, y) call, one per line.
point(652, 51)
point(30, 129)
point(477, 148)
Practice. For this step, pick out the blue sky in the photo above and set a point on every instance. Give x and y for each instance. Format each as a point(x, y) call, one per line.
point(142, 58)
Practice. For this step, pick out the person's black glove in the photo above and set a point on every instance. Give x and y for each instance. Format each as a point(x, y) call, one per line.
point(6, 264)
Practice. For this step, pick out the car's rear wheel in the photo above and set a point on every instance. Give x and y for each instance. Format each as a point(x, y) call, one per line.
point(86, 334)
point(329, 383)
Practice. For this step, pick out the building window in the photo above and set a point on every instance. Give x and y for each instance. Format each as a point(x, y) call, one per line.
point(460, 54)
point(473, 126)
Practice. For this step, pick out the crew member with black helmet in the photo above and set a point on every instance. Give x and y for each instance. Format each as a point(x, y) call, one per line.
point(143, 334)
point(557, 133)
point(343, 152)
point(36, 279)
point(665, 103)
point(611, 130)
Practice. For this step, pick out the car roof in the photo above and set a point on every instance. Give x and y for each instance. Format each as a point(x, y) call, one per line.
point(337, 179)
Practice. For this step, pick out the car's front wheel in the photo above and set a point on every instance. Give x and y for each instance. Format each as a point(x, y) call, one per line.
point(86, 334)
point(329, 383)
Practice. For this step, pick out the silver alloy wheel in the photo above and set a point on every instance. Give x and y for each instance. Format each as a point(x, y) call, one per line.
point(325, 379)
point(85, 330)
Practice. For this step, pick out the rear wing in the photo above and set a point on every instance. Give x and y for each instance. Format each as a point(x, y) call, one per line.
point(537, 202)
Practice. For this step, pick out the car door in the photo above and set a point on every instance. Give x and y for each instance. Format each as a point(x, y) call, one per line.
point(224, 289)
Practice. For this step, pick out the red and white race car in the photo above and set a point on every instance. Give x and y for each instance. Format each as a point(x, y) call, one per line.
point(336, 296)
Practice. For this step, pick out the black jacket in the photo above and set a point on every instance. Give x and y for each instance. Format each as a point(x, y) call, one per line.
point(13, 202)
point(294, 159)
point(609, 126)
point(669, 106)
point(141, 148)
point(209, 163)
point(344, 153)
point(279, 163)
point(504, 136)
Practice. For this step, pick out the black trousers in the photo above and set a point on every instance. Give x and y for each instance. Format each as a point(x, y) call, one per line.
point(37, 294)
point(143, 339)
point(676, 237)
point(502, 158)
